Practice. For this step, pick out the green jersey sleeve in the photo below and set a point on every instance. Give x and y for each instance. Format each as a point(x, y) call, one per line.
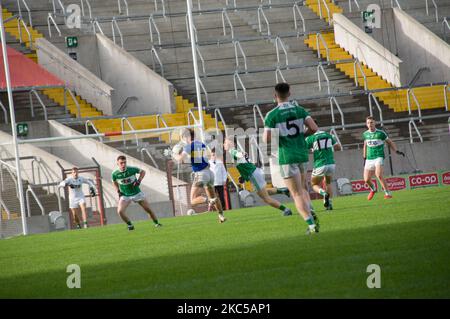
point(134, 170)
point(333, 140)
point(309, 142)
point(268, 121)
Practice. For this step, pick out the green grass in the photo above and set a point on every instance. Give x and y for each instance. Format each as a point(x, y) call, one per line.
point(257, 253)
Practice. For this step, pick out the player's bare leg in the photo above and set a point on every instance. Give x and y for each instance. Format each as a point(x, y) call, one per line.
point(76, 219)
point(83, 214)
point(294, 184)
point(122, 208)
point(215, 201)
point(275, 191)
point(146, 206)
point(264, 194)
point(368, 174)
point(317, 183)
point(379, 173)
point(305, 194)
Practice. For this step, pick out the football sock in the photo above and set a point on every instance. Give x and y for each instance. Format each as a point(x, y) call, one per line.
point(310, 221)
point(372, 188)
point(282, 207)
point(156, 222)
point(322, 192)
point(129, 223)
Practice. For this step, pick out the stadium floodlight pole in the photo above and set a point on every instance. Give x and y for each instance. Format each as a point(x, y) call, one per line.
point(195, 64)
point(13, 123)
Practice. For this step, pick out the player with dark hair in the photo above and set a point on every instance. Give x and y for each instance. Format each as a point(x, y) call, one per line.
point(373, 154)
point(323, 146)
point(127, 186)
point(203, 176)
point(290, 119)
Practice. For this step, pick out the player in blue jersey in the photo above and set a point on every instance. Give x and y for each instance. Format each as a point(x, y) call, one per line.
point(203, 176)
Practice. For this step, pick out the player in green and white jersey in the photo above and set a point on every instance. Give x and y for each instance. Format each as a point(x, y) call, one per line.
point(249, 172)
point(127, 186)
point(373, 154)
point(323, 146)
point(289, 119)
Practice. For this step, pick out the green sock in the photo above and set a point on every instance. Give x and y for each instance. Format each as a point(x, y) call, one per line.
point(310, 221)
point(156, 222)
point(282, 207)
point(129, 223)
point(322, 192)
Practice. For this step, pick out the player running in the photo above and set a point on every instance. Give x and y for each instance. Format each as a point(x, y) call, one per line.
point(323, 145)
point(289, 119)
point(249, 172)
point(373, 154)
point(203, 176)
point(127, 186)
point(76, 196)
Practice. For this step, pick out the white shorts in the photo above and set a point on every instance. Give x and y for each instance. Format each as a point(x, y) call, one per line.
point(257, 179)
point(326, 170)
point(290, 170)
point(202, 178)
point(139, 197)
point(371, 164)
point(76, 201)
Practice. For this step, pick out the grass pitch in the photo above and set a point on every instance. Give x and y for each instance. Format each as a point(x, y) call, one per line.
point(257, 253)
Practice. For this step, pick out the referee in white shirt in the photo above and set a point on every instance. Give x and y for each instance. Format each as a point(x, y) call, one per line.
point(220, 175)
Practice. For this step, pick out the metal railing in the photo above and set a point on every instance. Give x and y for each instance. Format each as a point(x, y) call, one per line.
point(154, 55)
point(295, 11)
point(418, 75)
point(193, 27)
point(5, 208)
point(350, 5)
point(396, 3)
point(257, 111)
point(36, 198)
point(226, 18)
point(445, 96)
point(227, 3)
point(335, 134)
point(19, 7)
point(120, 6)
point(72, 96)
point(412, 124)
point(146, 151)
point(445, 26)
point(20, 24)
point(114, 26)
point(122, 126)
point(278, 75)
point(279, 43)
point(86, 126)
point(96, 24)
point(355, 73)
point(320, 70)
point(409, 93)
point(152, 25)
point(10, 171)
point(436, 13)
point(261, 13)
point(202, 60)
point(324, 3)
point(45, 172)
point(371, 97)
point(319, 39)
point(52, 20)
point(30, 94)
point(217, 116)
point(163, 7)
point(125, 104)
point(190, 115)
point(89, 8)
point(238, 47)
point(5, 113)
point(63, 9)
point(333, 101)
point(237, 78)
point(202, 87)
point(160, 118)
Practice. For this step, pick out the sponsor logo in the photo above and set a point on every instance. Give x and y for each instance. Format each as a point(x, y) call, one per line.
point(424, 180)
point(360, 186)
point(446, 178)
point(396, 183)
